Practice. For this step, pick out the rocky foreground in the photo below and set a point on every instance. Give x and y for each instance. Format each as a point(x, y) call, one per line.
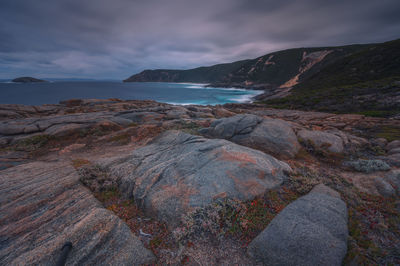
point(141, 182)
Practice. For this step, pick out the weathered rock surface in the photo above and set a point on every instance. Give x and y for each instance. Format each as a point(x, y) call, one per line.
point(393, 178)
point(90, 129)
point(368, 166)
point(393, 145)
point(384, 188)
point(394, 151)
point(43, 205)
point(322, 140)
point(32, 125)
point(273, 136)
point(310, 231)
point(177, 172)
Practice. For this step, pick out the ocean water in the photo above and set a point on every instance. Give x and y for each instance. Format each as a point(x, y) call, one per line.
point(174, 93)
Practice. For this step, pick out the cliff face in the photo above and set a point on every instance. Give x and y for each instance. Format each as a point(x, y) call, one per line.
point(279, 69)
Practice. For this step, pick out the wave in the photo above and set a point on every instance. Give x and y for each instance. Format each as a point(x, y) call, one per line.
point(245, 98)
point(191, 103)
point(215, 88)
point(195, 87)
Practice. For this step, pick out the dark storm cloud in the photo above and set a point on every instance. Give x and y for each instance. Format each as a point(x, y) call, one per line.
point(113, 39)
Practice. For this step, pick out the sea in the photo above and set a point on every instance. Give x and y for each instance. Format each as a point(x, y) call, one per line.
point(173, 93)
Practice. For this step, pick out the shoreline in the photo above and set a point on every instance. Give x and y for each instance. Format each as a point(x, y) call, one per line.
point(166, 92)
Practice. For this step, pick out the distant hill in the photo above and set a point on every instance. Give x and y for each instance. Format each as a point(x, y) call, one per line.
point(27, 80)
point(367, 82)
point(283, 68)
point(361, 78)
point(200, 75)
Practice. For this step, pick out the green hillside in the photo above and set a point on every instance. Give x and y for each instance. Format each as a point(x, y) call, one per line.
point(273, 69)
point(201, 74)
point(367, 81)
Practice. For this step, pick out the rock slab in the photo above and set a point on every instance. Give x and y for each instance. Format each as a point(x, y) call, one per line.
point(43, 205)
point(310, 231)
point(178, 172)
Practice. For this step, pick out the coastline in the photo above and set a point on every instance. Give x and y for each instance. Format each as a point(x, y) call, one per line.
point(167, 92)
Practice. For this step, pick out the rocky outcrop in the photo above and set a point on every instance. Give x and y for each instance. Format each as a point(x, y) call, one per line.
point(43, 205)
point(320, 140)
point(310, 231)
point(12, 130)
point(273, 136)
point(178, 172)
point(27, 80)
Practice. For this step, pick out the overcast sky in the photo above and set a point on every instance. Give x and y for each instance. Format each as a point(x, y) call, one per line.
point(117, 38)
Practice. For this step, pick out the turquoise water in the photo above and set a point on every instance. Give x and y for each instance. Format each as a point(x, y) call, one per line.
point(175, 93)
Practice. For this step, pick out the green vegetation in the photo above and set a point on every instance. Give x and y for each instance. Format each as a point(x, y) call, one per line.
point(389, 133)
point(374, 62)
point(188, 127)
point(370, 217)
point(160, 238)
point(201, 74)
point(378, 113)
point(79, 162)
point(242, 220)
point(121, 139)
point(33, 143)
point(365, 82)
point(370, 98)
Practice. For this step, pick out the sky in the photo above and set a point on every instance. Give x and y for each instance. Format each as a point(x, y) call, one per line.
point(106, 39)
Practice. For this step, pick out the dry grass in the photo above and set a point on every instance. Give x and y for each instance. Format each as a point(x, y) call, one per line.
point(79, 162)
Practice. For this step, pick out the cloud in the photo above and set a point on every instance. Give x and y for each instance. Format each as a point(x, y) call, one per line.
point(114, 39)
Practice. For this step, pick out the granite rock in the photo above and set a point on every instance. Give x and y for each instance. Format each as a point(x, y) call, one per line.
point(312, 230)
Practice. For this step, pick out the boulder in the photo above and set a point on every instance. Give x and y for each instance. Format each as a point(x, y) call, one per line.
point(43, 205)
point(393, 178)
point(392, 145)
point(272, 136)
point(384, 188)
point(178, 172)
point(394, 151)
point(381, 142)
point(310, 231)
point(393, 159)
point(321, 140)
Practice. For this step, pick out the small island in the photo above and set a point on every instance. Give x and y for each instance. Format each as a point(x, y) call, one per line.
point(27, 80)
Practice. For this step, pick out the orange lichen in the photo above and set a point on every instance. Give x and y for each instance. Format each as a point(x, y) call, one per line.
point(249, 188)
point(236, 157)
point(180, 191)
